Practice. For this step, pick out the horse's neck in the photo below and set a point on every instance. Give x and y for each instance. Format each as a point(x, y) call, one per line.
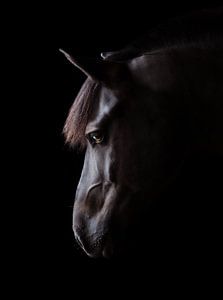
point(197, 77)
point(203, 76)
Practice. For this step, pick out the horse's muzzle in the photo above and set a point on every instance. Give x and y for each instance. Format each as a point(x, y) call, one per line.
point(95, 246)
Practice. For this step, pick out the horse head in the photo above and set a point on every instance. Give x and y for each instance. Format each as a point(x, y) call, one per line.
point(121, 119)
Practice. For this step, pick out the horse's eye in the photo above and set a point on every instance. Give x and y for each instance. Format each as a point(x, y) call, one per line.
point(96, 137)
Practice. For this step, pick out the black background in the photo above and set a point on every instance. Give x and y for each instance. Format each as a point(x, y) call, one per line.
point(51, 169)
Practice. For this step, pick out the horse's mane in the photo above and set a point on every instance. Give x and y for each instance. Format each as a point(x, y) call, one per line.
point(201, 29)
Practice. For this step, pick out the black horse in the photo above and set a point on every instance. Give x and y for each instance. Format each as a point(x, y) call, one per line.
point(148, 117)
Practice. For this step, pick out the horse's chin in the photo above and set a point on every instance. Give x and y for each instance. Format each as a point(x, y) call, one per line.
point(103, 249)
point(108, 249)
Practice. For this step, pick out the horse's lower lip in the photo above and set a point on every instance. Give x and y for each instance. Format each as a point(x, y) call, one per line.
point(106, 252)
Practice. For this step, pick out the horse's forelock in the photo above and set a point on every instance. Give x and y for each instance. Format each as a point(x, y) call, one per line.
point(74, 128)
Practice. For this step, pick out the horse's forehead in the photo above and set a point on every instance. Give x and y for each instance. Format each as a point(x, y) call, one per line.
point(106, 101)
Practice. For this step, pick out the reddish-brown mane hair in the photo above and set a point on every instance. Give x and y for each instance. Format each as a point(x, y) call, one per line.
point(74, 128)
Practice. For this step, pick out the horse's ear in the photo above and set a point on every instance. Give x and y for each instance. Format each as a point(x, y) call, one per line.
point(99, 70)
